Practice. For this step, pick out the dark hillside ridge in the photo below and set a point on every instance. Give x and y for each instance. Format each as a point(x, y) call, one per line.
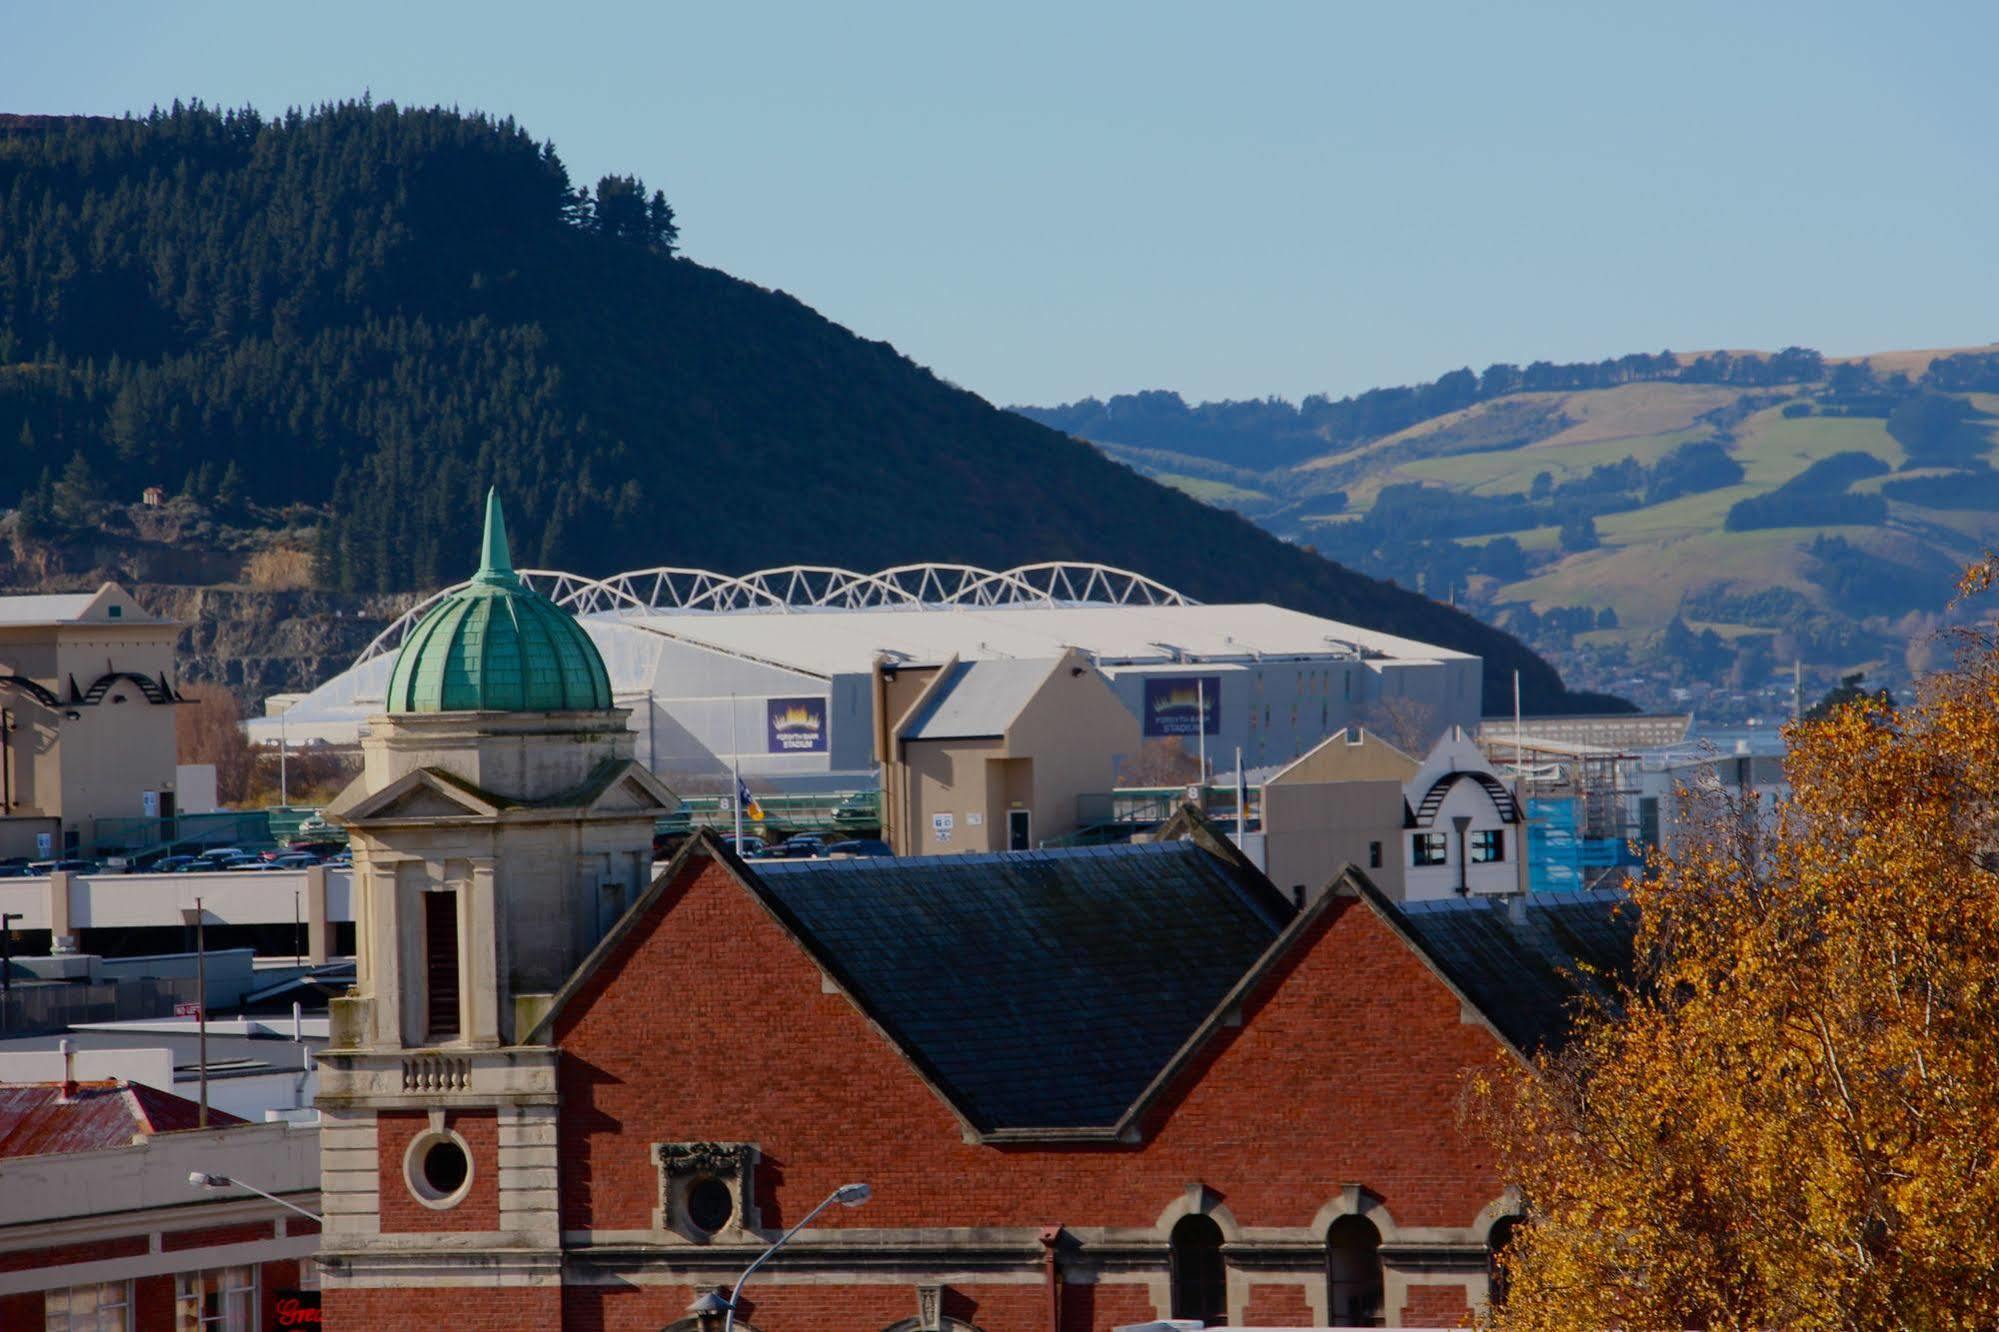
point(377, 312)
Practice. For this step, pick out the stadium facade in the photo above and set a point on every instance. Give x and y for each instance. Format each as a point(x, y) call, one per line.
point(775, 670)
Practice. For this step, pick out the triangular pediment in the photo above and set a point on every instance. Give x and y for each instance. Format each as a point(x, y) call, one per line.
point(422, 794)
point(633, 790)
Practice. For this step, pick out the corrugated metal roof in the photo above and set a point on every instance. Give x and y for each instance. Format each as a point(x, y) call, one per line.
point(833, 642)
point(1040, 989)
point(36, 1119)
point(979, 698)
point(44, 608)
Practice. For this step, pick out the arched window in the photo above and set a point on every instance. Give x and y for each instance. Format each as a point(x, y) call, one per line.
point(1353, 1272)
point(1200, 1281)
point(1496, 1241)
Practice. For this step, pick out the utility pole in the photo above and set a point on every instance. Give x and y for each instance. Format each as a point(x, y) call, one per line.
point(201, 1010)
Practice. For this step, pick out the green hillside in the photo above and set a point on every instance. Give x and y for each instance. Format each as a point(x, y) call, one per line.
point(1681, 521)
point(345, 324)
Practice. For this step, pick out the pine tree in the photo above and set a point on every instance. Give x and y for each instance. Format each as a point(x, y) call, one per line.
point(77, 492)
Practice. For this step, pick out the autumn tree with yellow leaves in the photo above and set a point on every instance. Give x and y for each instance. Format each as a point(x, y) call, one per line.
point(1789, 1119)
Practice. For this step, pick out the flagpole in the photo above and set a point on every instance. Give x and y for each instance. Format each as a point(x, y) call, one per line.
point(736, 771)
point(1241, 801)
point(1201, 730)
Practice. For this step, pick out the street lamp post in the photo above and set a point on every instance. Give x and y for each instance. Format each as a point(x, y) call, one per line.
point(201, 1179)
point(847, 1195)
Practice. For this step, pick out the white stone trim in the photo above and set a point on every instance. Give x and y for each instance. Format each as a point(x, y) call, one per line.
point(1509, 1203)
point(158, 1262)
point(1353, 1200)
point(1198, 1200)
point(413, 1179)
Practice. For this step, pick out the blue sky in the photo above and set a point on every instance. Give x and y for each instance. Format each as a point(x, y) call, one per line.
point(1043, 201)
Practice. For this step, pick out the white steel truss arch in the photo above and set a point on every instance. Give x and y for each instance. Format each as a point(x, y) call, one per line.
point(564, 589)
point(815, 587)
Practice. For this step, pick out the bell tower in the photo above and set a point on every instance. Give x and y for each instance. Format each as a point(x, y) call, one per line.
point(500, 827)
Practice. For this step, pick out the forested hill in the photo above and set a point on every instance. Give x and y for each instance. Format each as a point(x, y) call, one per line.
point(371, 313)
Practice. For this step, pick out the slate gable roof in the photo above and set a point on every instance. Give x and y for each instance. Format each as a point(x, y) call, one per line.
point(1055, 995)
point(1526, 962)
point(1038, 989)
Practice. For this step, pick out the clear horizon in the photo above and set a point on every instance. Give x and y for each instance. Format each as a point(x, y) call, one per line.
point(1286, 199)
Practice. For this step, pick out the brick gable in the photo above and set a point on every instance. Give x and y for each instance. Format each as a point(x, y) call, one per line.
point(709, 1021)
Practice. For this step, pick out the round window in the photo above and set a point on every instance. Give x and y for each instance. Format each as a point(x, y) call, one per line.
point(445, 1166)
point(709, 1204)
point(438, 1169)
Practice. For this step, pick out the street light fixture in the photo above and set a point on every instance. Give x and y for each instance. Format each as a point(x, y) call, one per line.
point(201, 1179)
point(847, 1195)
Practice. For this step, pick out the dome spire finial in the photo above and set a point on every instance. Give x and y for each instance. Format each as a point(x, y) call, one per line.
point(496, 564)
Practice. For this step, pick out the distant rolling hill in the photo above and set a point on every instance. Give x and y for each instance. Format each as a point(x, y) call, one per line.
point(339, 326)
point(1660, 510)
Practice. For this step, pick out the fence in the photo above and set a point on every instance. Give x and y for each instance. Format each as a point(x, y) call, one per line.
point(832, 811)
point(28, 1008)
point(250, 829)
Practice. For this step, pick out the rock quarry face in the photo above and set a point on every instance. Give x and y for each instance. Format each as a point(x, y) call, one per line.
point(259, 643)
point(181, 564)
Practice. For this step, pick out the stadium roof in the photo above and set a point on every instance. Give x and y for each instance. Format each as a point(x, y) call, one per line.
point(848, 641)
point(829, 622)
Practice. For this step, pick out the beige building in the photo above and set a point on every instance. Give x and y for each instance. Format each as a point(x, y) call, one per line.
point(1341, 804)
point(86, 718)
point(1442, 826)
point(993, 755)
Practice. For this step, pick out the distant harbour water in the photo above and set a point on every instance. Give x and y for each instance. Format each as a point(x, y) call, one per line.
point(1731, 739)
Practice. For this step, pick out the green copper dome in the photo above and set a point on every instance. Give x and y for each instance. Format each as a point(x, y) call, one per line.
point(497, 645)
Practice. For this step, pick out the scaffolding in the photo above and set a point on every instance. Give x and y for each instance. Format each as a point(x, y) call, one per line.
point(1585, 811)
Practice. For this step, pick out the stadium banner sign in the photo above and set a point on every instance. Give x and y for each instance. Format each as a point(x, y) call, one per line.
point(1183, 705)
point(795, 725)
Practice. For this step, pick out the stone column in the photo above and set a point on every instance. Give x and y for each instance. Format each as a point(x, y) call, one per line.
point(479, 958)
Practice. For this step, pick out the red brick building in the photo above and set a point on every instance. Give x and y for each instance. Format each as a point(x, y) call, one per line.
point(100, 1228)
point(748, 1039)
point(1087, 1088)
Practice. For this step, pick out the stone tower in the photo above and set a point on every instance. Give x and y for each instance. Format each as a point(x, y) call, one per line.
point(500, 826)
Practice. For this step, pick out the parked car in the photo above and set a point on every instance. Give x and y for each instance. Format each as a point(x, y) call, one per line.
point(860, 846)
point(795, 849)
point(340, 860)
point(224, 854)
point(810, 844)
point(71, 866)
point(750, 846)
point(167, 865)
point(295, 860)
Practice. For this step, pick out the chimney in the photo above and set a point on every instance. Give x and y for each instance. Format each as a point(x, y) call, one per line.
point(68, 1069)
